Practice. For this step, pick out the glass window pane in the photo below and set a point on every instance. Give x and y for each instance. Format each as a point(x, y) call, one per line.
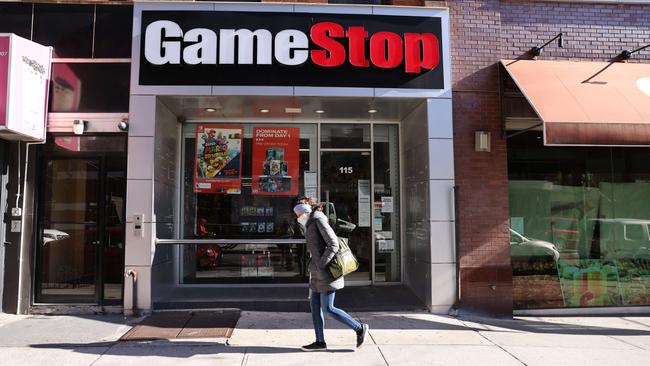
point(94, 87)
point(387, 203)
point(70, 238)
point(355, 136)
point(247, 215)
point(113, 27)
point(16, 18)
point(66, 27)
point(584, 217)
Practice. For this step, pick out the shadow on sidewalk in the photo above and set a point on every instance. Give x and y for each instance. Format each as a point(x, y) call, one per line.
point(172, 349)
point(548, 327)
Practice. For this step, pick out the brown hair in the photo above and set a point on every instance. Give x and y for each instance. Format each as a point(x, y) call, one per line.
point(315, 205)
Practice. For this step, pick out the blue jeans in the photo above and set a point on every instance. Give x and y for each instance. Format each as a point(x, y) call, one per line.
point(323, 302)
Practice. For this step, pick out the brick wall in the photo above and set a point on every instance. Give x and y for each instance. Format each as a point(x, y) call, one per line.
point(482, 32)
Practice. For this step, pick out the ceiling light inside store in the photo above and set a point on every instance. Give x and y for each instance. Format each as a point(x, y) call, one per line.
point(371, 111)
point(211, 110)
point(292, 110)
point(319, 111)
point(263, 110)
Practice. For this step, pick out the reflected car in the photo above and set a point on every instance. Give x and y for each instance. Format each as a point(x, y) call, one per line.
point(624, 237)
point(50, 235)
point(521, 246)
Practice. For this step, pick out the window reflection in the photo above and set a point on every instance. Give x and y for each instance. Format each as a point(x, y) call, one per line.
point(579, 223)
point(266, 214)
point(90, 87)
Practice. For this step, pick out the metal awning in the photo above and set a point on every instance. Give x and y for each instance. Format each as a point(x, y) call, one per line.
point(587, 103)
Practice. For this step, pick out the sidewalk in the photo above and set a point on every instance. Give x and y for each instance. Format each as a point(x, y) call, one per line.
point(266, 338)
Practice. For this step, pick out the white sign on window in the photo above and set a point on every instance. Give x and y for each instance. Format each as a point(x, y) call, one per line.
point(364, 202)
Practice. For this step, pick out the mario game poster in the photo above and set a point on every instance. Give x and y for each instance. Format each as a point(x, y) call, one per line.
point(276, 156)
point(218, 159)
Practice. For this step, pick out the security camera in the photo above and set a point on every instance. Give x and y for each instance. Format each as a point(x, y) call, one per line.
point(123, 125)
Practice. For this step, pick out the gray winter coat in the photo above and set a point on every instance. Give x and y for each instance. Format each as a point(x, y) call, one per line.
point(322, 245)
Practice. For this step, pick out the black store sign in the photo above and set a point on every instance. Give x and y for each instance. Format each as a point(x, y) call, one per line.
point(290, 49)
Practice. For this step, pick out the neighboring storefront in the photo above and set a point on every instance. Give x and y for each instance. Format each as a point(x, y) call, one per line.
point(579, 184)
point(66, 245)
point(553, 216)
point(243, 108)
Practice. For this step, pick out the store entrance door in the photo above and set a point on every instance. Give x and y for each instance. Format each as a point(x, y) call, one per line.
point(80, 246)
point(345, 182)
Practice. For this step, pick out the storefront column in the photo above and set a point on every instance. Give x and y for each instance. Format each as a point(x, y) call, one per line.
point(428, 155)
point(441, 193)
point(139, 249)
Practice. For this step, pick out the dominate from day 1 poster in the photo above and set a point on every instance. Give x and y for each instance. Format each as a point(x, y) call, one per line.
point(218, 159)
point(276, 155)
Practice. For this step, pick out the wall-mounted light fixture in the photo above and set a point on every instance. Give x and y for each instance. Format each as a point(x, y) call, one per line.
point(536, 51)
point(79, 126)
point(482, 141)
point(625, 54)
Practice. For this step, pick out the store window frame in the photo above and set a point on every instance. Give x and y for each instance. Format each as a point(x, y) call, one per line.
point(178, 280)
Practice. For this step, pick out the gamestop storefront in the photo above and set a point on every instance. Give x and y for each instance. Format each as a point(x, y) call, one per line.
point(236, 110)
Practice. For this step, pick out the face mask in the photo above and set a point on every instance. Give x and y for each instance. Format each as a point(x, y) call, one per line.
point(303, 220)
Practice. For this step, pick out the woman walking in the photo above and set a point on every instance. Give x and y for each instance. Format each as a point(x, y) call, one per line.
point(322, 245)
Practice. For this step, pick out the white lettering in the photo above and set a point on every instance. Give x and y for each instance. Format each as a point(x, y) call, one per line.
point(202, 52)
point(291, 40)
point(160, 52)
point(245, 50)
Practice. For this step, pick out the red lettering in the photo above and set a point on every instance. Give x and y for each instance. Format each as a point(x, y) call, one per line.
point(421, 51)
point(357, 46)
point(333, 53)
point(386, 50)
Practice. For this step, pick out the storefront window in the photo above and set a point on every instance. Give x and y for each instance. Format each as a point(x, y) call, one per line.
point(242, 184)
point(580, 224)
point(90, 87)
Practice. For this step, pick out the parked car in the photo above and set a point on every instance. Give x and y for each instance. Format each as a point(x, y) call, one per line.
point(50, 235)
point(523, 247)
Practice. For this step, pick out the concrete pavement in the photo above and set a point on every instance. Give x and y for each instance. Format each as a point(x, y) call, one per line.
point(267, 338)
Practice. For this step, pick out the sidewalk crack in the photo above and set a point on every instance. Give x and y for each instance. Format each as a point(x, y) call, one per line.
point(494, 343)
point(382, 355)
point(626, 342)
point(102, 354)
point(244, 359)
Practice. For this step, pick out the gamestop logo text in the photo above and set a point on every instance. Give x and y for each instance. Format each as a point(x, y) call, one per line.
point(415, 53)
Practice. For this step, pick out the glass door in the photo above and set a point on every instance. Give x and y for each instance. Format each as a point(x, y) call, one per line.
point(70, 241)
point(80, 246)
point(345, 187)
